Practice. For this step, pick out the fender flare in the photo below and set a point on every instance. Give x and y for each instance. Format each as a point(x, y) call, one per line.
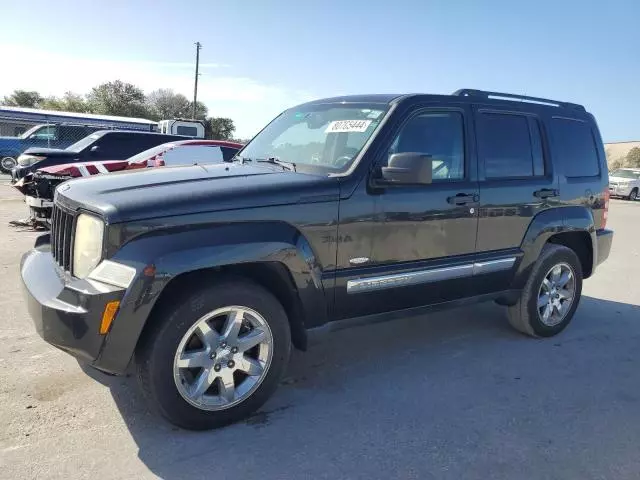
point(173, 253)
point(543, 227)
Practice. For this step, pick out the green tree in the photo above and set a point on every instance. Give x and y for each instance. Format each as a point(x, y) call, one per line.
point(23, 98)
point(616, 164)
point(165, 104)
point(219, 128)
point(633, 157)
point(118, 98)
point(69, 102)
point(201, 111)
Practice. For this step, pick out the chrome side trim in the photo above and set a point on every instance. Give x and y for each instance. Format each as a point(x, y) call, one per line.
point(382, 282)
point(410, 278)
point(490, 266)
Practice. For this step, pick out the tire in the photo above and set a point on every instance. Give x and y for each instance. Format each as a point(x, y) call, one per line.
point(157, 356)
point(7, 162)
point(525, 316)
point(633, 196)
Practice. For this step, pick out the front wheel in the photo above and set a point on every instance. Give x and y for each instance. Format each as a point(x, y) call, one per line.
point(7, 163)
point(551, 295)
point(216, 357)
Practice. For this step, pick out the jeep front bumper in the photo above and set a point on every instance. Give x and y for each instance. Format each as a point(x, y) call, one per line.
point(66, 311)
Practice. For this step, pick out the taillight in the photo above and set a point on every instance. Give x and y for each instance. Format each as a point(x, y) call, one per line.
point(605, 214)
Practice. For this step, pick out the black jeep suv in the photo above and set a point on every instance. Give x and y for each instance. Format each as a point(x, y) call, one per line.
point(341, 211)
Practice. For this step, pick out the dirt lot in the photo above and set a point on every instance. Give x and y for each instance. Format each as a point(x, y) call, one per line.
point(455, 395)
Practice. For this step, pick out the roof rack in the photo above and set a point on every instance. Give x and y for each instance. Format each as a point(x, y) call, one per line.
point(468, 92)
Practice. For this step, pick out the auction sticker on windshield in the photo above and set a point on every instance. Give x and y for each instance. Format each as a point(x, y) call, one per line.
point(345, 126)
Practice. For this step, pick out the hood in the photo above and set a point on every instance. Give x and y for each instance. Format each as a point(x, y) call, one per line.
point(160, 192)
point(85, 169)
point(50, 152)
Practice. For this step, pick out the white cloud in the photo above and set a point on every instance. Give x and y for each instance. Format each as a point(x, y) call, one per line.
point(249, 102)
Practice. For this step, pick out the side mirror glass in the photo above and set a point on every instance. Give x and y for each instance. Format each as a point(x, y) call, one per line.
point(409, 168)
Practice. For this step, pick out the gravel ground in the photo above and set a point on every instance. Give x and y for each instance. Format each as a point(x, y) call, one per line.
point(455, 395)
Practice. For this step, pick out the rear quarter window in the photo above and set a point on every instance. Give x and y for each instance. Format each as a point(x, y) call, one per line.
point(574, 147)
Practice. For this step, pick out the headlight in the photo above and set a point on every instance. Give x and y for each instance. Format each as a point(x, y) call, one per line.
point(87, 245)
point(26, 160)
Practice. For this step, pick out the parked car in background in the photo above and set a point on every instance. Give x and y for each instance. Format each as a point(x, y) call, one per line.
point(625, 182)
point(342, 211)
point(39, 186)
point(43, 136)
point(101, 145)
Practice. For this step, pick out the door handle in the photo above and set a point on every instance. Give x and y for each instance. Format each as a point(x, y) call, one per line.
point(546, 193)
point(463, 199)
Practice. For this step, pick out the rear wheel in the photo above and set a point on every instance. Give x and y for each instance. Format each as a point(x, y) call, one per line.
point(633, 195)
point(216, 357)
point(7, 163)
point(551, 295)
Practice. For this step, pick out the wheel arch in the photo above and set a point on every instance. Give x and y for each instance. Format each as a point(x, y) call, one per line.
point(275, 256)
point(573, 227)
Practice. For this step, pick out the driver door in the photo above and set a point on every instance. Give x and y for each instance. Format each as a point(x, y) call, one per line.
point(423, 236)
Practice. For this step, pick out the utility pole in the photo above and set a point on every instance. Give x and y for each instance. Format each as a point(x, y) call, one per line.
point(195, 87)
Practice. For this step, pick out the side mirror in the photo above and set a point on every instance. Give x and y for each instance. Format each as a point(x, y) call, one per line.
point(409, 168)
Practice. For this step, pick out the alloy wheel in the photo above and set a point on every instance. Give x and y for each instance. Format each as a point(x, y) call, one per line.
point(556, 294)
point(8, 163)
point(223, 358)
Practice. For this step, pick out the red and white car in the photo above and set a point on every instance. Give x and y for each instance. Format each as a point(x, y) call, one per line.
point(182, 152)
point(39, 187)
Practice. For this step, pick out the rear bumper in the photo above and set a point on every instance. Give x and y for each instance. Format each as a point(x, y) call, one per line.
point(604, 239)
point(66, 311)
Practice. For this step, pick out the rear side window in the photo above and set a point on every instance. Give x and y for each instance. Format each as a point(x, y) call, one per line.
point(510, 145)
point(574, 145)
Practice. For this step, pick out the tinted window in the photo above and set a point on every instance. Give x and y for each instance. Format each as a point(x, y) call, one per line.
point(504, 142)
point(574, 145)
point(228, 153)
point(439, 135)
point(190, 154)
point(188, 131)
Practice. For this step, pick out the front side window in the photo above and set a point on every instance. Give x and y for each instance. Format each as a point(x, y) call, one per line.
point(504, 143)
point(325, 137)
point(187, 131)
point(439, 135)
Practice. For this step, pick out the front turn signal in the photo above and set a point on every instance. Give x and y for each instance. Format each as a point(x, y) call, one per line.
point(109, 314)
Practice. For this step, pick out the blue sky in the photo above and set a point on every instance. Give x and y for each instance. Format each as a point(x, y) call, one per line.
point(260, 57)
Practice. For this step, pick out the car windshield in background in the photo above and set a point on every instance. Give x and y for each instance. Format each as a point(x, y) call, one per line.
point(625, 174)
point(30, 131)
point(327, 136)
point(80, 145)
point(150, 153)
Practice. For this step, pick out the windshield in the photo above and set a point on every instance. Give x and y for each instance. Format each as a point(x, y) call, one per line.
point(626, 174)
point(84, 143)
point(31, 131)
point(150, 153)
point(328, 137)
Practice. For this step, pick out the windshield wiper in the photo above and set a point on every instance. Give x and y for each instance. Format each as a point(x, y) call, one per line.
point(272, 160)
point(276, 161)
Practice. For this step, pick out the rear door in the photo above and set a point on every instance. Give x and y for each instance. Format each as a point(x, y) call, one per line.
point(517, 181)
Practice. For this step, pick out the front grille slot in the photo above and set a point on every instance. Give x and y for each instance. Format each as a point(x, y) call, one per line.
point(62, 225)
